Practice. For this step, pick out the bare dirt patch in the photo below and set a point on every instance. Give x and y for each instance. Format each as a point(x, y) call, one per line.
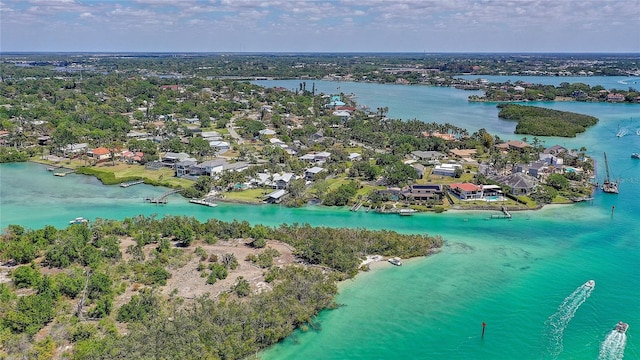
point(187, 283)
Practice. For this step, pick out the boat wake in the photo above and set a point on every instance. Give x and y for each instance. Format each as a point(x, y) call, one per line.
point(612, 348)
point(555, 325)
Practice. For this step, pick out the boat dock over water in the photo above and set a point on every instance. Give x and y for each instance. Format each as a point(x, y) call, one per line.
point(162, 199)
point(131, 183)
point(505, 214)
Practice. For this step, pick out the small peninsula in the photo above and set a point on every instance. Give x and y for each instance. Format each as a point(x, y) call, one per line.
point(538, 121)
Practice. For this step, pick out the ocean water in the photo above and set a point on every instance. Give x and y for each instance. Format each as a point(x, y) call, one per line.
point(522, 277)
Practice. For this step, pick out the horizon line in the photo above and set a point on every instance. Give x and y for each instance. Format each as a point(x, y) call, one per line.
point(316, 52)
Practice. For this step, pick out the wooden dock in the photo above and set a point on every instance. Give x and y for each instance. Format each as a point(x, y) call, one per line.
point(505, 214)
point(131, 183)
point(357, 206)
point(162, 199)
point(63, 172)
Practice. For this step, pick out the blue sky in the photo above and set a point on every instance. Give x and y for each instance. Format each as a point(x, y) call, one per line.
point(320, 26)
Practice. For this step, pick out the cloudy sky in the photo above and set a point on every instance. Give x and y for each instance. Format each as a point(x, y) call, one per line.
point(320, 25)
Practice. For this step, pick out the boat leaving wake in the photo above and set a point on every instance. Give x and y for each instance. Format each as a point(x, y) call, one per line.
point(612, 347)
point(555, 325)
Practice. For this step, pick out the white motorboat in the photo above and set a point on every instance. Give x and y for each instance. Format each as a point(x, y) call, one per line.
point(78, 220)
point(590, 284)
point(395, 261)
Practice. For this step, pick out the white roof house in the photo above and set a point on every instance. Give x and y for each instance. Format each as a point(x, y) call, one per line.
point(267, 132)
point(309, 173)
point(308, 157)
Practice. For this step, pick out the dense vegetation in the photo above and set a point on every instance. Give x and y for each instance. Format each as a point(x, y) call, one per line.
point(66, 284)
point(539, 121)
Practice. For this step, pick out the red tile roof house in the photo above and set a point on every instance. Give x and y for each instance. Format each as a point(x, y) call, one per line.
point(615, 97)
point(100, 153)
point(513, 144)
point(466, 191)
point(170, 87)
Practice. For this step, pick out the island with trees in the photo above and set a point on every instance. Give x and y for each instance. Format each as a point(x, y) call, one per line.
point(537, 121)
point(174, 287)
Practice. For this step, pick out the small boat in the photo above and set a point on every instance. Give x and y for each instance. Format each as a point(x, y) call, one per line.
point(622, 327)
point(203, 202)
point(78, 220)
point(590, 284)
point(635, 155)
point(406, 212)
point(395, 261)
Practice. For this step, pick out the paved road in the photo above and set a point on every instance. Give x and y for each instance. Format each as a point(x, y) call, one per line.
point(233, 133)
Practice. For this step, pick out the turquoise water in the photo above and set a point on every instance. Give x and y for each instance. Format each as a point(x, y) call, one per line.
point(512, 275)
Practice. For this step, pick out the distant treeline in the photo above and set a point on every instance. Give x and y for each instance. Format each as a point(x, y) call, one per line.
point(539, 121)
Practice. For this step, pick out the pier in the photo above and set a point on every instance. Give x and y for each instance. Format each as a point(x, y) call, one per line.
point(162, 199)
point(208, 201)
point(357, 206)
point(131, 183)
point(505, 214)
point(62, 172)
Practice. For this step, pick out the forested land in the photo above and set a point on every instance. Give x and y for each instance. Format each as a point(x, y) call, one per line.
point(533, 120)
point(66, 286)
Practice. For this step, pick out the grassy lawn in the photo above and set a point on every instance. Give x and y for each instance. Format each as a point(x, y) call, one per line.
point(250, 195)
point(163, 175)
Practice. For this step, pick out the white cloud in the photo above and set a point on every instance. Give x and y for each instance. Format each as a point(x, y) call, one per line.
point(272, 23)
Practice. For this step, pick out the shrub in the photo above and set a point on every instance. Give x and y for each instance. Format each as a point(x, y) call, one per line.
point(26, 276)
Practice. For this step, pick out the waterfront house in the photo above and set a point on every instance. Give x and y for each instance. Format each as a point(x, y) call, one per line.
point(185, 168)
point(490, 191)
point(615, 97)
point(419, 193)
point(520, 184)
point(466, 191)
point(275, 181)
point(210, 167)
point(170, 158)
point(72, 150)
point(99, 153)
point(131, 157)
point(276, 196)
